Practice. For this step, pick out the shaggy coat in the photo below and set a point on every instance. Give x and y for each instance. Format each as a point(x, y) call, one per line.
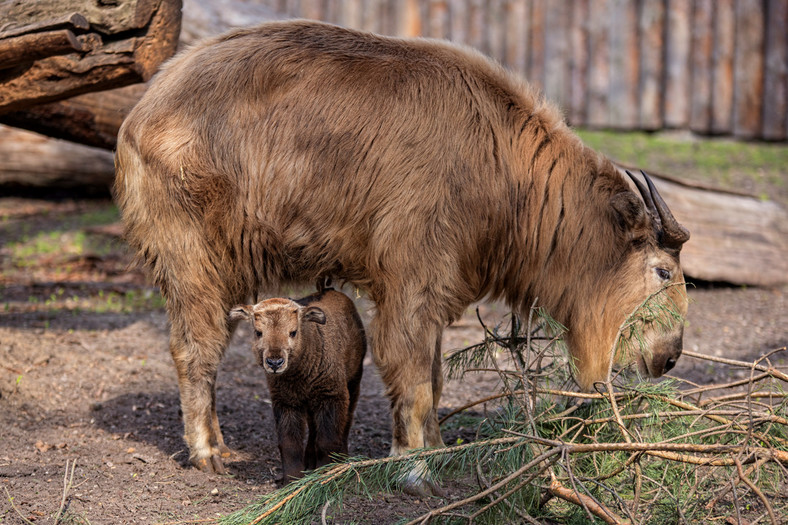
point(417, 170)
point(313, 353)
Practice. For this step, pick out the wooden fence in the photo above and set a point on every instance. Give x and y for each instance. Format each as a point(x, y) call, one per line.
point(713, 66)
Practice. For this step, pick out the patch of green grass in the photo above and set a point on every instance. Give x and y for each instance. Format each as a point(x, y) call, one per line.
point(100, 217)
point(748, 166)
point(128, 302)
point(60, 244)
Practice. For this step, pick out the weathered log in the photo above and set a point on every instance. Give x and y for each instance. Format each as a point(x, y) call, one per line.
point(55, 49)
point(94, 118)
point(29, 48)
point(30, 160)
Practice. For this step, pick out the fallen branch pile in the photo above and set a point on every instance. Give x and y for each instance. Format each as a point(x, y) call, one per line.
point(632, 452)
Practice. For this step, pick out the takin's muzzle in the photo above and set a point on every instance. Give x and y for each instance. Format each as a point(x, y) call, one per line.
point(665, 351)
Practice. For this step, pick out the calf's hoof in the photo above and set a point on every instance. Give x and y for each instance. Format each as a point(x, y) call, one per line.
point(210, 465)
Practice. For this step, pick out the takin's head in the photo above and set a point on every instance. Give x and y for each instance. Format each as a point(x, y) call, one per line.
point(279, 326)
point(647, 274)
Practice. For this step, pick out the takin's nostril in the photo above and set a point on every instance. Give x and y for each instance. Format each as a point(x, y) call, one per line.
point(669, 364)
point(274, 364)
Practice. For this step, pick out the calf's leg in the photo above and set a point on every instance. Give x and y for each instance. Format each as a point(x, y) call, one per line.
point(330, 424)
point(290, 427)
point(353, 388)
point(310, 456)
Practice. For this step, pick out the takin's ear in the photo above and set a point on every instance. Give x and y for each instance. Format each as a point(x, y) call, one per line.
point(628, 210)
point(314, 314)
point(240, 313)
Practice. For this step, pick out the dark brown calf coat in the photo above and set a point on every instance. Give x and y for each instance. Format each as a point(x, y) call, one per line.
point(316, 346)
point(419, 171)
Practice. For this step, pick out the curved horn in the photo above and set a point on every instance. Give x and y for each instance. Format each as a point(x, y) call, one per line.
point(646, 195)
point(673, 233)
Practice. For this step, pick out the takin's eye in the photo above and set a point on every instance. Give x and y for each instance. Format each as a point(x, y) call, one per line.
point(258, 333)
point(662, 273)
point(293, 334)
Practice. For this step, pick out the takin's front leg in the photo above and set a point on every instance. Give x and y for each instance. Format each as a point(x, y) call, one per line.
point(406, 364)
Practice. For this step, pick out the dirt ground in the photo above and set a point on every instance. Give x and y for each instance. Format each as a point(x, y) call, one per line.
point(86, 379)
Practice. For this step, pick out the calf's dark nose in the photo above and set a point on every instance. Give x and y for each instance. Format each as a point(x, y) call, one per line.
point(669, 364)
point(274, 363)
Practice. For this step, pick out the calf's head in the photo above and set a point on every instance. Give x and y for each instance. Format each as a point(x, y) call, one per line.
point(647, 274)
point(279, 326)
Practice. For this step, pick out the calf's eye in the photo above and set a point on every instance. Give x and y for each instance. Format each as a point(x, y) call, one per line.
point(293, 333)
point(662, 273)
point(258, 333)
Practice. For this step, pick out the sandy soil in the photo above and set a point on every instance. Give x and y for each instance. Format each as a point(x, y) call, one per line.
point(85, 377)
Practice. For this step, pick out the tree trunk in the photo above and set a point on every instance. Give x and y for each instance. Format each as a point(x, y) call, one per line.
point(32, 161)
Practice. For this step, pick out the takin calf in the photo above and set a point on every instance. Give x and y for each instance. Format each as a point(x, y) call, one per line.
point(312, 350)
point(418, 171)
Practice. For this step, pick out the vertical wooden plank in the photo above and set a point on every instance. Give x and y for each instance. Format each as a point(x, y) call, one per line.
point(599, 64)
point(495, 28)
point(371, 14)
point(623, 103)
point(578, 67)
point(775, 88)
point(408, 18)
point(700, 114)
point(677, 54)
point(722, 67)
point(351, 14)
point(277, 5)
point(748, 68)
point(386, 17)
point(516, 35)
point(556, 53)
point(652, 30)
point(331, 9)
point(312, 9)
point(459, 21)
point(477, 25)
point(438, 13)
point(294, 8)
point(536, 31)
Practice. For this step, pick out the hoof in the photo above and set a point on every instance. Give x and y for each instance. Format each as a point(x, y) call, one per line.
point(210, 465)
point(225, 451)
point(418, 482)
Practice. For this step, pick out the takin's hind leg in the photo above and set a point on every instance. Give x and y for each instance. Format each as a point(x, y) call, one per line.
point(198, 338)
point(432, 430)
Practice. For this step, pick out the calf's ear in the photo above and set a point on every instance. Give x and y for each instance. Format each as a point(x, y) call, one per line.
point(240, 313)
point(314, 314)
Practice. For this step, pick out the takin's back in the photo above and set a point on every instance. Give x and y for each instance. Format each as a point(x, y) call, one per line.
point(305, 149)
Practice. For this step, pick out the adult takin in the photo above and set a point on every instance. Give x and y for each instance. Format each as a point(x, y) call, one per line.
point(421, 172)
point(313, 353)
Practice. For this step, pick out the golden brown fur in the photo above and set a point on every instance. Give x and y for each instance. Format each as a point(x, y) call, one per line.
point(417, 170)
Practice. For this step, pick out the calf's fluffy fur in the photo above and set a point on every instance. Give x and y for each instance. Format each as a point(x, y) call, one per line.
point(312, 350)
point(419, 171)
